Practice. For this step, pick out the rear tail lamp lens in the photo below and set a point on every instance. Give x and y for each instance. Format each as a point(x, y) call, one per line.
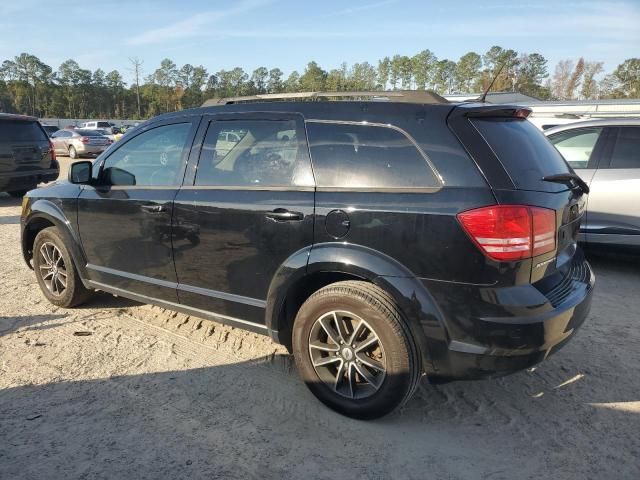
point(511, 232)
point(52, 150)
point(84, 139)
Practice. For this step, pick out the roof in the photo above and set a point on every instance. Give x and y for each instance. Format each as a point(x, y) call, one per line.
point(601, 122)
point(13, 116)
point(394, 96)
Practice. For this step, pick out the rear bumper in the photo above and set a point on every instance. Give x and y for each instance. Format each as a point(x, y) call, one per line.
point(496, 331)
point(27, 179)
point(84, 149)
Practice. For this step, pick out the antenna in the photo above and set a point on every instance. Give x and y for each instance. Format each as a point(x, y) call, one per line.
point(483, 98)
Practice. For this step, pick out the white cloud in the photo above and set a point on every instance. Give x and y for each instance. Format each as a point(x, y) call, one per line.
point(194, 25)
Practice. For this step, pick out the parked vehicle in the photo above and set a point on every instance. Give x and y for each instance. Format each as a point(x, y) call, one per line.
point(606, 154)
point(50, 129)
point(377, 240)
point(545, 123)
point(26, 155)
point(100, 124)
point(80, 142)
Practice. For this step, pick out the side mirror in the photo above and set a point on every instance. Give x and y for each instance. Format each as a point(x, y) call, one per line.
point(80, 172)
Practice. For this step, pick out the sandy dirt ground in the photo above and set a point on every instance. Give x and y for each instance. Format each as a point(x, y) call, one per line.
point(120, 390)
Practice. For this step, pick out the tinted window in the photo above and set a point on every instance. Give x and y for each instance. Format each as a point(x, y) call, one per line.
point(90, 133)
point(17, 131)
point(626, 151)
point(524, 152)
point(103, 124)
point(151, 158)
point(576, 145)
point(366, 156)
point(254, 153)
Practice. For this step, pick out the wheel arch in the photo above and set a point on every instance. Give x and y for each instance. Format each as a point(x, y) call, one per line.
point(315, 267)
point(43, 214)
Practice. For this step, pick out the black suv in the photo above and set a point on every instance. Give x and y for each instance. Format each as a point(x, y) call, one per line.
point(26, 155)
point(378, 240)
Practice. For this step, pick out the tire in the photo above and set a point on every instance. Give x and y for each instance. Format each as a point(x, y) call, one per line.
point(366, 308)
point(19, 193)
point(49, 249)
point(72, 152)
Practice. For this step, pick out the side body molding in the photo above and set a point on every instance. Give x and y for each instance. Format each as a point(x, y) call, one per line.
point(424, 318)
point(46, 211)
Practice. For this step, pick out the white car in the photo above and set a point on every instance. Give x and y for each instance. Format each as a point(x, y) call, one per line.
point(107, 127)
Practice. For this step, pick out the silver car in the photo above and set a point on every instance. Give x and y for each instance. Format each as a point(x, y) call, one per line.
point(606, 154)
point(80, 142)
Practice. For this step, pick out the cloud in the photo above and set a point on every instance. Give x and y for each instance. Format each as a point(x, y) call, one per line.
point(194, 25)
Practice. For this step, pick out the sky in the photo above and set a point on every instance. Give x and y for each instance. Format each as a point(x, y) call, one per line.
point(222, 34)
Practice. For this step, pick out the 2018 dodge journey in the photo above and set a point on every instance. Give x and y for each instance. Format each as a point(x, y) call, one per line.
point(380, 239)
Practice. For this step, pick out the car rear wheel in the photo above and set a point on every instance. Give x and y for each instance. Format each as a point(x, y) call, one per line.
point(72, 152)
point(354, 351)
point(55, 271)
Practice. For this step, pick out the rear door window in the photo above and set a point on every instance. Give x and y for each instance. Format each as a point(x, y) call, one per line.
point(19, 131)
point(576, 146)
point(626, 150)
point(523, 151)
point(254, 153)
point(347, 155)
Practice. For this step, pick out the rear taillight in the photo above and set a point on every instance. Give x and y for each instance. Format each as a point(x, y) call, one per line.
point(52, 150)
point(84, 139)
point(511, 232)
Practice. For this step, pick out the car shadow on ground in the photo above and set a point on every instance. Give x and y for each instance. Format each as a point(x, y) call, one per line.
point(11, 324)
point(251, 420)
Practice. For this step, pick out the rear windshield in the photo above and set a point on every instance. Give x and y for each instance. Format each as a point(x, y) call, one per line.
point(104, 124)
point(524, 152)
point(90, 133)
point(19, 131)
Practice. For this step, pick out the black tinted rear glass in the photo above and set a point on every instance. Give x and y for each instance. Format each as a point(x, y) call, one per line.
point(524, 152)
point(18, 131)
point(349, 155)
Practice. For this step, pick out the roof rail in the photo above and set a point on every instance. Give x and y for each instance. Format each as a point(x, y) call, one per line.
point(397, 96)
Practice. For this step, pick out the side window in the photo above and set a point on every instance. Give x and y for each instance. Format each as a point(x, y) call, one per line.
point(269, 153)
point(626, 150)
point(576, 146)
point(152, 158)
point(366, 156)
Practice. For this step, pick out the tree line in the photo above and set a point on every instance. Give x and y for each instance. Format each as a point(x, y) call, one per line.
point(30, 86)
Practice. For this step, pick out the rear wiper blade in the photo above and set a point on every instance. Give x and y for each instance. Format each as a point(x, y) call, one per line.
point(570, 179)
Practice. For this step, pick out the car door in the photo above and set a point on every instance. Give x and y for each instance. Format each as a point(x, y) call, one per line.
point(614, 212)
point(583, 148)
point(247, 205)
point(124, 217)
point(60, 140)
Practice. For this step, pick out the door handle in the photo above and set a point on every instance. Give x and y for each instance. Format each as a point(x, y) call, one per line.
point(153, 208)
point(284, 215)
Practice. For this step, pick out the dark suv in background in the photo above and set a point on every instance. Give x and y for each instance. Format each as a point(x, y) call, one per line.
point(26, 155)
point(378, 240)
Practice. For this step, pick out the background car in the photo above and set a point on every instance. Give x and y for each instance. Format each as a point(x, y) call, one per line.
point(606, 154)
point(50, 129)
point(26, 155)
point(79, 142)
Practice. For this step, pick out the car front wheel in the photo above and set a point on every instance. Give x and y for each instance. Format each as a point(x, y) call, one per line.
point(354, 351)
point(55, 270)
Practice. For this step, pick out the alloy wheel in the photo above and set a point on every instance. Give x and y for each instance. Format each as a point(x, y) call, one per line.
point(53, 270)
point(347, 354)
